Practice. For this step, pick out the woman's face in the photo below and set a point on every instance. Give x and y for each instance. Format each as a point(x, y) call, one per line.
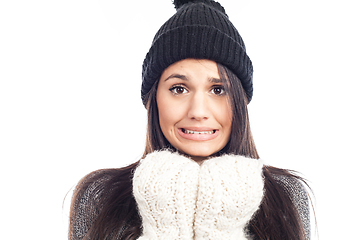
point(194, 113)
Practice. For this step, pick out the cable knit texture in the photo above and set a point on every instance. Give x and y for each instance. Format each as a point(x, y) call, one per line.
point(165, 188)
point(89, 208)
point(230, 192)
point(178, 199)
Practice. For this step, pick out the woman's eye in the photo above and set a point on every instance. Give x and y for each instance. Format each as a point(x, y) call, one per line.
point(178, 90)
point(219, 90)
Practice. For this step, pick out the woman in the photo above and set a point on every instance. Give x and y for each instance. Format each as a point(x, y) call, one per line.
point(200, 176)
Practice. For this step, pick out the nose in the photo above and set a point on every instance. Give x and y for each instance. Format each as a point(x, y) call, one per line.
point(199, 107)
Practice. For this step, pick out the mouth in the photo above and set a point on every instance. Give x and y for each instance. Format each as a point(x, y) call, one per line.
point(187, 131)
point(199, 134)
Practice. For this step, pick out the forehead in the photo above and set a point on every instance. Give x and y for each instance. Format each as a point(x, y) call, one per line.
point(192, 68)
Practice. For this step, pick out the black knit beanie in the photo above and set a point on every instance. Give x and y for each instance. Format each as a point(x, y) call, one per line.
point(199, 29)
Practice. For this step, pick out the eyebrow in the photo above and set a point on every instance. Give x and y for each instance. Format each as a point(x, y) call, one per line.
point(215, 80)
point(183, 77)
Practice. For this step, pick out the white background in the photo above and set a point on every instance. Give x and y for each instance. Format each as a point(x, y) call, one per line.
point(70, 76)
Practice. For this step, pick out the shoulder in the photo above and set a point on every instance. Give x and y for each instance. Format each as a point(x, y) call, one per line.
point(91, 195)
point(86, 202)
point(295, 188)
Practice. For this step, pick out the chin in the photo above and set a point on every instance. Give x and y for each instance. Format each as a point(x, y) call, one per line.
point(199, 153)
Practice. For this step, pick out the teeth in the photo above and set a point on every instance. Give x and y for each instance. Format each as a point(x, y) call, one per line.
point(198, 132)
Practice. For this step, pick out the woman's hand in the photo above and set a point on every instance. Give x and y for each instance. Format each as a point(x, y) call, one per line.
point(165, 187)
point(230, 192)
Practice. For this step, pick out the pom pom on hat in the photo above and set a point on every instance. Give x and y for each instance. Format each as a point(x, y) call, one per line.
point(180, 3)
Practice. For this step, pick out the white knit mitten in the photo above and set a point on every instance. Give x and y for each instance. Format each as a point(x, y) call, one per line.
point(165, 188)
point(230, 192)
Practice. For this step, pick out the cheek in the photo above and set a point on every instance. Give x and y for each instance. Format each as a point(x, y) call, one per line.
point(224, 115)
point(165, 118)
point(168, 114)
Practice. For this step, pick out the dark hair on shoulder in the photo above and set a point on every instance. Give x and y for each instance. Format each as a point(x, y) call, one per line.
point(103, 206)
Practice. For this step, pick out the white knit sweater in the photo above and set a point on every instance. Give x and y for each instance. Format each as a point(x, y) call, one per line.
point(179, 199)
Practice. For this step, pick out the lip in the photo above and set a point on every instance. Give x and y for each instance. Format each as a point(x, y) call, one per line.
point(196, 136)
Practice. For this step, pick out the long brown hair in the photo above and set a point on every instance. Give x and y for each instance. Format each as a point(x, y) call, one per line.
point(114, 214)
